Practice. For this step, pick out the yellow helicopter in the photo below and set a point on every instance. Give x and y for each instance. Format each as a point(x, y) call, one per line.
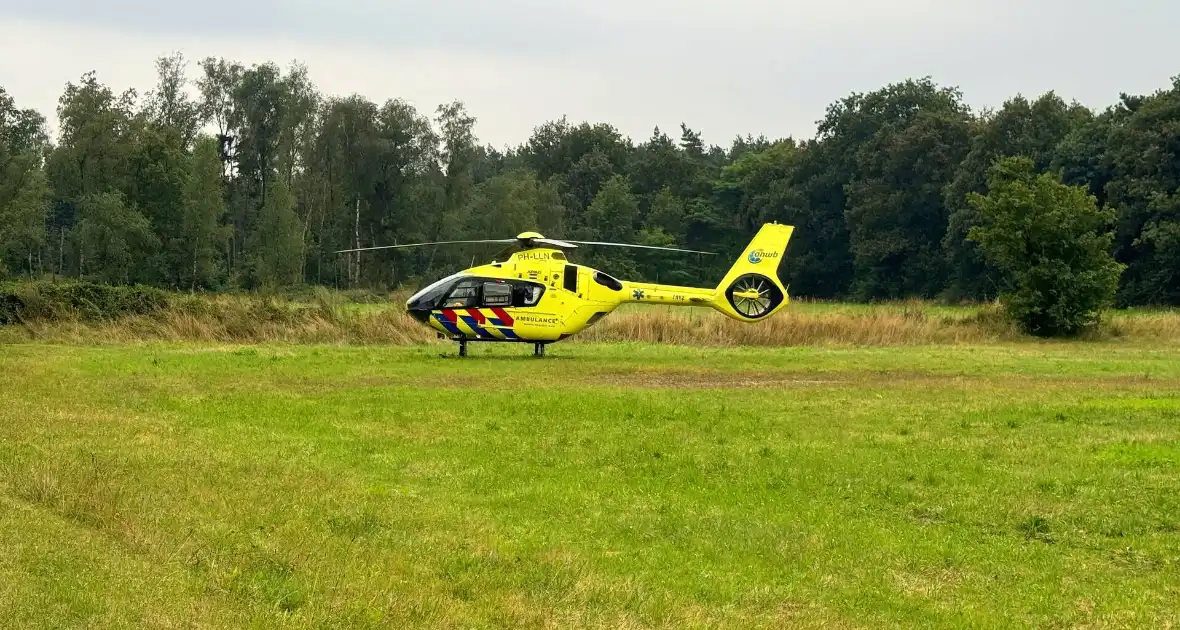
point(538, 296)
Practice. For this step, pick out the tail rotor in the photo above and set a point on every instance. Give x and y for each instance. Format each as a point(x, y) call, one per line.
point(754, 289)
point(753, 296)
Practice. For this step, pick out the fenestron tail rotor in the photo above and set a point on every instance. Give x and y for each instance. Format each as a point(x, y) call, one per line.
point(753, 295)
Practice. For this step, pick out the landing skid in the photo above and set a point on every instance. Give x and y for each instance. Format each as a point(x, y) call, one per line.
point(538, 347)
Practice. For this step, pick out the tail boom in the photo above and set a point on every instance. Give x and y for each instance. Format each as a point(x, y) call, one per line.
point(666, 294)
point(751, 291)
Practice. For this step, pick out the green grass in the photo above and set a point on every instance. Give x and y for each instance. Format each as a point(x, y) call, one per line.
point(620, 486)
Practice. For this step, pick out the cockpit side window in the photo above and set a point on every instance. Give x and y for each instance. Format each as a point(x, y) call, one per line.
point(571, 278)
point(464, 295)
point(497, 294)
point(527, 293)
point(607, 281)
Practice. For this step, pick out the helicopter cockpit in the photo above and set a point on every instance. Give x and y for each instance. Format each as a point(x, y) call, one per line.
point(464, 291)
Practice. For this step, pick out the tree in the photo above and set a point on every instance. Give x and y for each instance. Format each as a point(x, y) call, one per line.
point(611, 217)
point(24, 191)
point(879, 198)
point(666, 214)
point(276, 244)
point(155, 186)
point(887, 155)
point(511, 203)
point(114, 241)
point(458, 152)
point(904, 143)
point(819, 262)
point(1052, 241)
point(1031, 129)
point(585, 178)
point(97, 137)
point(24, 203)
point(202, 233)
point(659, 163)
point(169, 105)
point(557, 145)
point(774, 184)
point(219, 79)
point(1144, 152)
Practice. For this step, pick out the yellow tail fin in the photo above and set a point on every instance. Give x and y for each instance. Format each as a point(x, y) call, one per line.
point(753, 289)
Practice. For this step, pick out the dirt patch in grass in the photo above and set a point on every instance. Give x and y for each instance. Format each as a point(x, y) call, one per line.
point(696, 379)
point(708, 380)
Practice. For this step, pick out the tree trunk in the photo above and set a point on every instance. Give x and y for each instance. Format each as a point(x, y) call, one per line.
point(357, 234)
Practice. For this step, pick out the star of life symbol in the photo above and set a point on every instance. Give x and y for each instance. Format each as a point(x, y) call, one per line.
point(637, 294)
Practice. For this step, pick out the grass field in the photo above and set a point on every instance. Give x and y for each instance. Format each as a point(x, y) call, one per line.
point(1000, 484)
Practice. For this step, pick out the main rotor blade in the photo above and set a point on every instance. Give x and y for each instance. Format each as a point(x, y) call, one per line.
point(669, 249)
point(555, 242)
point(365, 249)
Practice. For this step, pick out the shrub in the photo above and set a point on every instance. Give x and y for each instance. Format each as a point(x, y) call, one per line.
point(46, 301)
point(1052, 243)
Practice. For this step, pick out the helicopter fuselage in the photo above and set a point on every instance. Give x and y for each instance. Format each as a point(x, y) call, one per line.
point(535, 296)
point(539, 296)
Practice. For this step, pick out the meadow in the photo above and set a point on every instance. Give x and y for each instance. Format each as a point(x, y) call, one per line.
point(848, 466)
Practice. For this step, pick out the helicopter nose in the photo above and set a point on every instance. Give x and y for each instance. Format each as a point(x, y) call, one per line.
point(420, 314)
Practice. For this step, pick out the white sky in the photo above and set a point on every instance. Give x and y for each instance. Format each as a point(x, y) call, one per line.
point(724, 67)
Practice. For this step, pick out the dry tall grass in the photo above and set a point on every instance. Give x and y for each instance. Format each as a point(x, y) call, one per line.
point(1162, 325)
point(238, 319)
point(329, 319)
point(799, 328)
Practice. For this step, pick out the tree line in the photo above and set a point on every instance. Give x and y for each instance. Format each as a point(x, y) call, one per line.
point(249, 177)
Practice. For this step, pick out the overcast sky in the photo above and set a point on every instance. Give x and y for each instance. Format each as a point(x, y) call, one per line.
point(725, 68)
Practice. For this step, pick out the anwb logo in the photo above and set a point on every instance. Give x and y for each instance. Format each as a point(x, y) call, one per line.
point(757, 255)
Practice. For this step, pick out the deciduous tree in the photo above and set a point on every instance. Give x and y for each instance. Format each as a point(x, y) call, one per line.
point(1052, 242)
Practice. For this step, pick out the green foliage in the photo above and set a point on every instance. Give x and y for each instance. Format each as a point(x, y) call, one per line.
point(24, 205)
point(1052, 242)
point(24, 191)
point(613, 213)
point(114, 241)
point(879, 198)
point(87, 301)
point(157, 188)
point(666, 214)
point(903, 145)
point(202, 233)
point(277, 241)
point(514, 202)
point(611, 217)
point(1144, 151)
point(1032, 129)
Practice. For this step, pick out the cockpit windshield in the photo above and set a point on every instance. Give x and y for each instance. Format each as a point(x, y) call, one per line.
point(429, 297)
point(462, 291)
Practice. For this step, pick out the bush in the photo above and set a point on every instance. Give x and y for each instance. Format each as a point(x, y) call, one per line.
point(46, 301)
point(1052, 243)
